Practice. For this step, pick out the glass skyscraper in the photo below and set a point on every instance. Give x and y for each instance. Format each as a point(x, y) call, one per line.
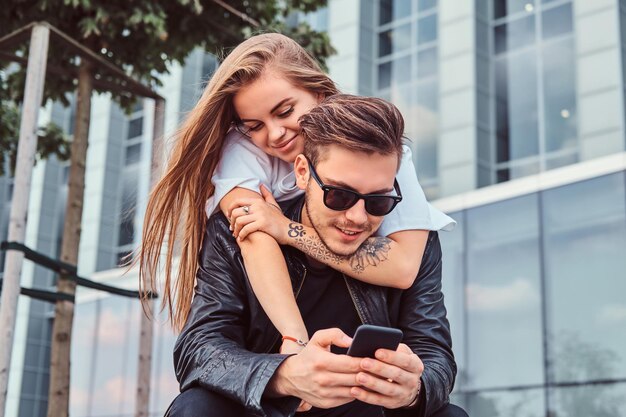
point(515, 114)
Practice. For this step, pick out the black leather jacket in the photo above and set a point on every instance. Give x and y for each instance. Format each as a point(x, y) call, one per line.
point(227, 343)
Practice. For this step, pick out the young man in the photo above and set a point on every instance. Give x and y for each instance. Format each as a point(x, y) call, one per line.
point(226, 359)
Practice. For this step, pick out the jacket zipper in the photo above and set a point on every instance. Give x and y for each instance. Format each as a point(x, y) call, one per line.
point(353, 298)
point(277, 338)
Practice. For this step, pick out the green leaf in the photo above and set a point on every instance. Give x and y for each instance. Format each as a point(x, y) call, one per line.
point(144, 37)
point(89, 27)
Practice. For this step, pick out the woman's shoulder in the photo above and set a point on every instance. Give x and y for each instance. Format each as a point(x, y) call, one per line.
point(237, 143)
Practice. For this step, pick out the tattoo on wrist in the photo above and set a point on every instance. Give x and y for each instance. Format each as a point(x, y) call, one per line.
point(311, 245)
point(296, 230)
point(372, 252)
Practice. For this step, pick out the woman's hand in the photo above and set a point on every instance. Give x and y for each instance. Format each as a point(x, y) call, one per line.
point(247, 215)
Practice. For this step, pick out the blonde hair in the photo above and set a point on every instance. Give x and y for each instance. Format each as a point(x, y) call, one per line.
point(175, 214)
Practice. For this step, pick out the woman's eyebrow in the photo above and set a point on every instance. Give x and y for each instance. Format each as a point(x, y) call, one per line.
point(276, 107)
point(280, 103)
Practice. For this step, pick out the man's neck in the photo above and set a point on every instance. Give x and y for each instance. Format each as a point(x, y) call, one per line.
point(304, 219)
point(304, 216)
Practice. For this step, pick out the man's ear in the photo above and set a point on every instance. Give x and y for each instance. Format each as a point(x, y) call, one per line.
point(301, 169)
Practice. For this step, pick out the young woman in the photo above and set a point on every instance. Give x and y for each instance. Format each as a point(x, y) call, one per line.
point(244, 133)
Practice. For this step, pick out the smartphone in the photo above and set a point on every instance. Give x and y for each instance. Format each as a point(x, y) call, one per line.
point(369, 338)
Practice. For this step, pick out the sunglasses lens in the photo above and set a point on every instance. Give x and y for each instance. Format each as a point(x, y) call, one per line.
point(379, 206)
point(340, 199)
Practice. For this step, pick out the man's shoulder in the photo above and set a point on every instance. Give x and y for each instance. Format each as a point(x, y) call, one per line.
point(218, 230)
point(433, 246)
point(217, 219)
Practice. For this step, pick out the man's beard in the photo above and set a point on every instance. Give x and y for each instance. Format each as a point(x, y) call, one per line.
point(365, 228)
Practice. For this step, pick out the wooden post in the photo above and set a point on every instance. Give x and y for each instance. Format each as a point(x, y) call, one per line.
point(144, 366)
point(33, 95)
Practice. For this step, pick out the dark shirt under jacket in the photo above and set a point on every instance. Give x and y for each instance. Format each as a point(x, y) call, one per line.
point(324, 302)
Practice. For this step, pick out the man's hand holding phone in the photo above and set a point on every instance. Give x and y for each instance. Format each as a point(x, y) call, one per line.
point(391, 378)
point(317, 376)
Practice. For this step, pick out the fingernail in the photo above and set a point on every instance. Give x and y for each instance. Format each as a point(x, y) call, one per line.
point(381, 354)
point(361, 378)
point(366, 363)
point(347, 339)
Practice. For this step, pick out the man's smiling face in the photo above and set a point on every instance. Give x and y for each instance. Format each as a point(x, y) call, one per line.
point(344, 231)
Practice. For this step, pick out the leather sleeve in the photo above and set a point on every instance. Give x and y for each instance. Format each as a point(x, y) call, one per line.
point(427, 332)
point(210, 351)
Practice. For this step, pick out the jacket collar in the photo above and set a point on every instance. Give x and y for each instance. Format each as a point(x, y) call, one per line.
point(293, 208)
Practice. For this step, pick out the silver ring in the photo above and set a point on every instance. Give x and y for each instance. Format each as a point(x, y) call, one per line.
point(246, 209)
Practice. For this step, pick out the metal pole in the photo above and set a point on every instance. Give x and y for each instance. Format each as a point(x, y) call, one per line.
point(147, 326)
point(33, 94)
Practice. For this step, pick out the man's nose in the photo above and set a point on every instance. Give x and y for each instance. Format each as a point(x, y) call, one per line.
point(357, 214)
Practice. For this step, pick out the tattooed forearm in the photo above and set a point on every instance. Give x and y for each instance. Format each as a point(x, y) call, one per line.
point(371, 253)
point(312, 245)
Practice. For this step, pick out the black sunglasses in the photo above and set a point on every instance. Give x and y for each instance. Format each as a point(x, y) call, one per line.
point(336, 198)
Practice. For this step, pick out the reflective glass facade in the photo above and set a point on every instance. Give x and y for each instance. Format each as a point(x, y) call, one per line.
point(532, 66)
point(536, 286)
point(534, 86)
point(104, 360)
point(407, 68)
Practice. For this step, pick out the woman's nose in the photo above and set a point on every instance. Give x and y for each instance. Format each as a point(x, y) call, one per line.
point(276, 131)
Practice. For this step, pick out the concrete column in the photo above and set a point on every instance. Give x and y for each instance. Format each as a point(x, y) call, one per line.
point(600, 82)
point(457, 159)
point(344, 32)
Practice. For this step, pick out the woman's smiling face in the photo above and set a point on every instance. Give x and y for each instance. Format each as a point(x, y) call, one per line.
point(269, 109)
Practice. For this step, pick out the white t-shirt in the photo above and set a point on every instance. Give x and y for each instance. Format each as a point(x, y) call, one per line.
point(244, 165)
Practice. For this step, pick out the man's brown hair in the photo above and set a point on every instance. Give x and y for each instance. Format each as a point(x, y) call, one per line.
point(356, 123)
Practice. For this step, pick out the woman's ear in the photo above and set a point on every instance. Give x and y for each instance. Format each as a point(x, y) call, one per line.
point(301, 169)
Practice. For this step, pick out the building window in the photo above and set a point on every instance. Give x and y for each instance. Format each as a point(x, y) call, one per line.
point(534, 82)
point(407, 74)
point(586, 237)
point(389, 10)
point(551, 263)
point(127, 217)
point(135, 127)
point(133, 154)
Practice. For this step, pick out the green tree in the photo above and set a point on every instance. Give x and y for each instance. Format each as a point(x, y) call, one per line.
point(142, 38)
